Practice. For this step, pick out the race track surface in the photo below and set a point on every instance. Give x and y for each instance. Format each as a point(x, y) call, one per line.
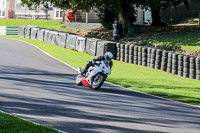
point(41, 89)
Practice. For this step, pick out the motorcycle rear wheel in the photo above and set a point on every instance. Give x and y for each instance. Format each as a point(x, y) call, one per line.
point(79, 79)
point(97, 81)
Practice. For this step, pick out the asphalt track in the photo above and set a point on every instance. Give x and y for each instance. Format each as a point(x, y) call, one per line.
point(41, 89)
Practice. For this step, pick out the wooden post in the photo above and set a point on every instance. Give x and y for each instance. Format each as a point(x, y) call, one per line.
point(86, 18)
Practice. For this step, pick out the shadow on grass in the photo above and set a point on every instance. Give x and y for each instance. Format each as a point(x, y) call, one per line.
point(165, 91)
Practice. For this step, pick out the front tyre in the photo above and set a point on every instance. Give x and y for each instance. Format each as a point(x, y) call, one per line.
point(79, 79)
point(97, 81)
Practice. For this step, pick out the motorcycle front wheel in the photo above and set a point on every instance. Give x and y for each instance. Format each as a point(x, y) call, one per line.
point(79, 79)
point(97, 81)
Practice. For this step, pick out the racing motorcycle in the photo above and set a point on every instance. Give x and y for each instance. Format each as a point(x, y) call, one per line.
point(95, 75)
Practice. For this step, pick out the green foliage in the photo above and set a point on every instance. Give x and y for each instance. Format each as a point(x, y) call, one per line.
point(107, 14)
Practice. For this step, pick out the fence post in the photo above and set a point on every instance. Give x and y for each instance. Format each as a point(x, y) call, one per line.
point(86, 18)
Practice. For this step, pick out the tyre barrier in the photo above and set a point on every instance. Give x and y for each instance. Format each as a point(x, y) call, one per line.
point(186, 66)
point(139, 55)
point(122, 52)
point(144, 56)
point(104, 46)
point(21, 31)
point(180, 65)
point(164, 61)
point(27, 31)
point(71, 41)
point(62, 39)
point(118, 51)
point(175, 63)
point(53, 37)
point(158, 59)
point(135, 55)
point(131, 54)
point(34, 32)
point(148, 56)
point(91, 46)
point(46, 35)
point(197, 62)
point(192, 71)
point(80, 44)
point(40, 35)
point(153, 57)
point(126, 53)
point(169, 62)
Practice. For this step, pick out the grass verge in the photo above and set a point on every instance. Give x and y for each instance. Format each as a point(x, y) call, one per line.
point(12, 124)
point(139, 78)
point(49, 24)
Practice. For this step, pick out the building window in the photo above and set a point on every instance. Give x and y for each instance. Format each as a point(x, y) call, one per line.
point(18, 5)
point(2, 8)
point(59, 13)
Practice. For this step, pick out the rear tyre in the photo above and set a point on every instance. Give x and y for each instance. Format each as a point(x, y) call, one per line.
point(97, 81)
point(78, 79)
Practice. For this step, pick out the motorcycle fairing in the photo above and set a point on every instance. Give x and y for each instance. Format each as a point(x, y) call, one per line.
point(85, 82)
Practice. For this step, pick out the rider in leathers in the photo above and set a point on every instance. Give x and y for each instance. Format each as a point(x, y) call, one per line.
point(107, 57)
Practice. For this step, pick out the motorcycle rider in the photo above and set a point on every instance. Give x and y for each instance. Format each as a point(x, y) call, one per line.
point(107, 57)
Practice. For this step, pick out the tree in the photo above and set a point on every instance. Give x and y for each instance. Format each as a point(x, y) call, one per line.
point(29, 3)
point(157, 5)
point(121, 9)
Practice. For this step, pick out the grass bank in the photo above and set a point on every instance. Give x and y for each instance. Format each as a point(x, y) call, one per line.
point(186, 40)
point(12, 124)
point(49, 24)
point(166, 37)
point(132, 76)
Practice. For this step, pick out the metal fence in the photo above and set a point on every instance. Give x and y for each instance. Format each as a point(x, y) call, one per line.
point(180, 14)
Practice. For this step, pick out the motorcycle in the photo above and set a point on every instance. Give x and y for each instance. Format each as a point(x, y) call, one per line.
point(95, 75)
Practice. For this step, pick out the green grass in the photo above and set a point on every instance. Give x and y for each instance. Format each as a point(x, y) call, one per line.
point(186, 40)
point(12, 124)
point(132, 76)
point(50, 24)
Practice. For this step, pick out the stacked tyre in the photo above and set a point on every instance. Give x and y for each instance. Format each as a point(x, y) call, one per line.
point(135, 55)
point(122, 52)
point(169, 62)
point(164, 60)
point(174, 63)
point(153, 57)
point(139, 55)
point(158, 59)
point(180, 65)
point(144, 56)
point(186, 66)
point(118, 51)
point(131, 53)
point(126, 53)
point(198, 68)
point(192, 71)
point(148, 57)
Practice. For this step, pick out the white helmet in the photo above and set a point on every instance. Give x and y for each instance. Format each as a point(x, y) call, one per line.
point(108, 56)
